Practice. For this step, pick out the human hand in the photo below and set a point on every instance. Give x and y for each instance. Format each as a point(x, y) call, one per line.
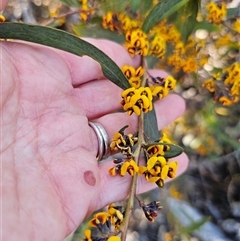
point(51, 179)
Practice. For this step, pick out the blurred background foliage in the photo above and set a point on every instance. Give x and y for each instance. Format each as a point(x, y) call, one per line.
point(204, 203)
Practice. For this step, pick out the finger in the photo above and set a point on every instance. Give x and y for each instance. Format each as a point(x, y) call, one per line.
point(3, 3)
point(167, 110)
point(85, 68)
point(102, 96)
point(98, 98)
point(117, 188)
point(158, 73)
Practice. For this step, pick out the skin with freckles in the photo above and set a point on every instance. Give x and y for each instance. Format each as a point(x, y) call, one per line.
point(51, 180)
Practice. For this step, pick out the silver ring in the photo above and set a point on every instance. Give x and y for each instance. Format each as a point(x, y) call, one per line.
point(103, 140)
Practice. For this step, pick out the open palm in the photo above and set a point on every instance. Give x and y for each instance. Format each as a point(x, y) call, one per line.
point(51, 179)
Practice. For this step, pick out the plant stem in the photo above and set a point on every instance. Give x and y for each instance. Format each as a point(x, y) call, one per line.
point(137, 153)
point(132, 192)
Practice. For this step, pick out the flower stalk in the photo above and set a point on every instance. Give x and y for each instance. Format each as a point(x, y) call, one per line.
point(137, 155)
point(133, 188)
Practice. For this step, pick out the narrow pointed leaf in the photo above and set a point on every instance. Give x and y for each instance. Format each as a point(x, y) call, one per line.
point(207, 26)
point(162, 10)
point(62, 40)
point(187, 19)
point(145, 6)
point(135, 5)
point(174, 150)
point(96, 31)
point(150, 125)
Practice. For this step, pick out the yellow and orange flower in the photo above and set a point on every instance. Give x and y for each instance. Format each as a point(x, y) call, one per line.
point(137, 100)
point(137, 42)
point(216, 12)
point(133, 75)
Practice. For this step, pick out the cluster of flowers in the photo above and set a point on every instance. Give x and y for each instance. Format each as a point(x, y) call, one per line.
point(224, 83)
point(136, 98)
point(123, 143)
point(137, 42)
point(230, 77)
point(133, 75)
point(188, 57)
point(162, 86)
point(108, 223)
point(216, 12)
point(153, 44)
point(157, 169)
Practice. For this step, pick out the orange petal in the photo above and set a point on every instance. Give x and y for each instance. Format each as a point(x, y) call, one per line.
point(112, 171)
point(134, 165)
point(102, 217)
point(124, 168)
point(87, 233)
point(93, 222)
point(139, 71)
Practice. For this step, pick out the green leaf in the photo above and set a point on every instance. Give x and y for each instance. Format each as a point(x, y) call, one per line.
point(62, 40)
point(174, 150)
point(186, 20)
point(145, 6)
point(115, 5)
point(150, 125)
point(140, 7)
point(162, 10)
point(232, 12)
point(96, 31)
point(135, 5)
point(207, 26)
